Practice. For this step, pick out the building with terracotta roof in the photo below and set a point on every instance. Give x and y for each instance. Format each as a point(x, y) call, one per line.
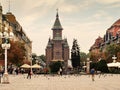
point(111, 36)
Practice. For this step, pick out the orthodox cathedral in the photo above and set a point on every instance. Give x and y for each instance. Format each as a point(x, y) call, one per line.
point(57, 48)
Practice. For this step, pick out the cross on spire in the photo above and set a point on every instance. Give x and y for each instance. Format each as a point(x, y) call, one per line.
point(57, 13)
point(57, 9)
point(57, 25)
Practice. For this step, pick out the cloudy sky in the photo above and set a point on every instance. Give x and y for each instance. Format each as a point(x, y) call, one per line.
point(83, 20)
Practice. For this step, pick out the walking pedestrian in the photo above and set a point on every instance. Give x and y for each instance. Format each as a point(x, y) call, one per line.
point(61, 71)
point(92, 72)
point(29, 74)
point(2, 72)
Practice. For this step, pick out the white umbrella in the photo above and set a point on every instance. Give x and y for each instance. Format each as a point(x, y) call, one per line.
point(57, 60)
point(84, 66)
point(25, 66)
point(114, 64)
point(36, 66)
point(118, 63)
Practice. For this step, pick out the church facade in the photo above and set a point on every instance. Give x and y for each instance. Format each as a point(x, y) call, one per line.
point(57, 48)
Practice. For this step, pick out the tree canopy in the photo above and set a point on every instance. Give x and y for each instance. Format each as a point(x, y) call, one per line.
point(100, 66)
point(75, 54)
point(83, 56)
point(16, 53)
point(113, 49)
point(42, 57)
point(54, 67)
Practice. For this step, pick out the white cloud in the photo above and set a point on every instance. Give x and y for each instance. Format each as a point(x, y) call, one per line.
point(67, 7)
point(116, 5)
point(85, 33)
point(107, 1)
point(36, 19)
point(100, 14)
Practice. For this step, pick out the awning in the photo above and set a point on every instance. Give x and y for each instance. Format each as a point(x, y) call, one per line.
point(25, 66)
point(114, 64)
point(36, 66)
point(57, 60)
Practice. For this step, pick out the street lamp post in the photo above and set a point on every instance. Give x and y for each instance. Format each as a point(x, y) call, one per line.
point(31, 63)
point(6, 45)
point(114, 58)
point(88, 65)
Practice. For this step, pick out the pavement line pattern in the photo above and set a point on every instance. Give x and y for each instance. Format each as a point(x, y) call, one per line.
point(65, 82)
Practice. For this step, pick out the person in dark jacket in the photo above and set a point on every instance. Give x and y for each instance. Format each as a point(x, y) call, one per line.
point(29, 74)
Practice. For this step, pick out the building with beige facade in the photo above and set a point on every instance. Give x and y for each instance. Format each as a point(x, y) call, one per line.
point(9, 20)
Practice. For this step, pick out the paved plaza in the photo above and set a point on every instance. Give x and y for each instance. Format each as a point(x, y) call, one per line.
point(65, 82)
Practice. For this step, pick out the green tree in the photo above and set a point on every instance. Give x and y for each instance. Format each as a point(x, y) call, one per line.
point(83, 56)
point(94, 57)
point(42, 57)
point(16, 53)
point(93, 65)
point(34, 58)
point(55, 66)
point(75, 54)
point(111, 50)
point(102, 66)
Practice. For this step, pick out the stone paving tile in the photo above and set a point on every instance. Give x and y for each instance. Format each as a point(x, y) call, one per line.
point(81, 82)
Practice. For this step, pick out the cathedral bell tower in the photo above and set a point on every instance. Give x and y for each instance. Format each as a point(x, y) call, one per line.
point(57, 48)
point(57, 29)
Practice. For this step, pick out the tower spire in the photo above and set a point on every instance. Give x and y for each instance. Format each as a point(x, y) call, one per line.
point(57, 13)
point(57, 25)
